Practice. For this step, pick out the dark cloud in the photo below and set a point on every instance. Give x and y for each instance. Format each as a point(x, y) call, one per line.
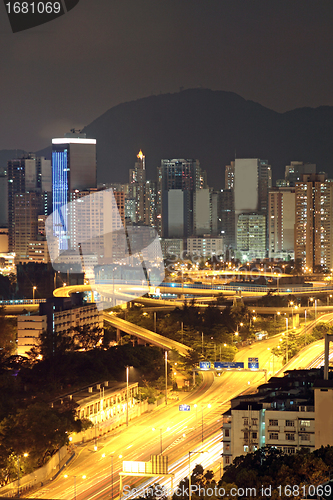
point(104, 52)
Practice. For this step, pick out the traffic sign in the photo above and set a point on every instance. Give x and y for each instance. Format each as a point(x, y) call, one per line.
point(204, 365)
point(253, 363)
point(184, 408)
point(225, 365)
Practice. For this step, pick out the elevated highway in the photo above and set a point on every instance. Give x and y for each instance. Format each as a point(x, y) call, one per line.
point(144, 334)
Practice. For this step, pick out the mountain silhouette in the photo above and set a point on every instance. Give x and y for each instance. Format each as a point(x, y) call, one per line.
point(213, 126)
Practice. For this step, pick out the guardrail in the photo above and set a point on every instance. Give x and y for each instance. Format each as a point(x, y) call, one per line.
point(18, 302)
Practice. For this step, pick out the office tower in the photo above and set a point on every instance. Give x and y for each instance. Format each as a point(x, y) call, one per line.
point(29, 189)
point(313, 228)
point(137, 189)
point(3, 200)
point(178, 179)
point(26, 208)
point(95, 217)
point(141, 193)
point(295, 171)
point(264, 185)
point(73, 168)
point(251, 237)
point(215, 220)
point(281, 222)
point(252, 181)
point(201, 212)
point(227, 217)
point(229, 176)
point(177, 213)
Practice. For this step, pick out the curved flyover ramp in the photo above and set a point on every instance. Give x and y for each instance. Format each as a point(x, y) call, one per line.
point(147, 335)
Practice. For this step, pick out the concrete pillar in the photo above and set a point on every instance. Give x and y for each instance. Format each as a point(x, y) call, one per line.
point(118, 335)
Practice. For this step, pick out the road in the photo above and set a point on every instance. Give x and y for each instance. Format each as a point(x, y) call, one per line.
point(181, 431)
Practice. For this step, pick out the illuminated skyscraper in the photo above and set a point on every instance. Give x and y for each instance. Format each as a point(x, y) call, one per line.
point(281, 222)
point(73, 168)
point(314, 222)
point(178, 179)
point(29, 193)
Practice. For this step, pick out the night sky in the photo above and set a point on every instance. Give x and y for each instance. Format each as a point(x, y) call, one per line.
point(68, 72)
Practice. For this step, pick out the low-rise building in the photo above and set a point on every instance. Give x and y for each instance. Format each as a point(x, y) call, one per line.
point(205, 247)
point(286, 413)
point(58, 315)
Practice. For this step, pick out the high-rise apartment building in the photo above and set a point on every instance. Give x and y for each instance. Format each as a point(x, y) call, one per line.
point(314, 226)
point(281, 222)
point(73, 168)
point(295, 171)
point(251, 237)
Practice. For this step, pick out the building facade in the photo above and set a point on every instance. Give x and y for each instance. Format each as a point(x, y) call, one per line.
point(281, 222)
point(251, 237)
point(73, 168)
point(313, 225)
point(281, 414)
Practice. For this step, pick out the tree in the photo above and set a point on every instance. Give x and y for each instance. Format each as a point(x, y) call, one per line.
point(38, 430)
point(192, 359)
point(86, 337)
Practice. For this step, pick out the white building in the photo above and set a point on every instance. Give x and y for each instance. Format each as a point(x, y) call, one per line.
point(251, 426)
point(289, 413)
point(28, 330)
point(252, 181)
point(30, 327)
point(205, 247)
point(201, 212)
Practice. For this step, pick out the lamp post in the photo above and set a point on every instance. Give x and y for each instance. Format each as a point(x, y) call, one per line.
point(287, 341)
point(127, 380)
point(74, 477)
point(161, 442)
point(18, 473)
point(315, 309)
point(166, 377)
point(111, 456)
point(202, 421)
point(34, 288)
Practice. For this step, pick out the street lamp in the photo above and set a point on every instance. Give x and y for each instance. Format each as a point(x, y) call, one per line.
point(161, 431)
point(111, 456)
point(74, 477)
point(287, 341)
point(127, 380)
point(34, 288)
point(166, 376)
point(269, 349)
point(202, 421)
point(18, 473)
